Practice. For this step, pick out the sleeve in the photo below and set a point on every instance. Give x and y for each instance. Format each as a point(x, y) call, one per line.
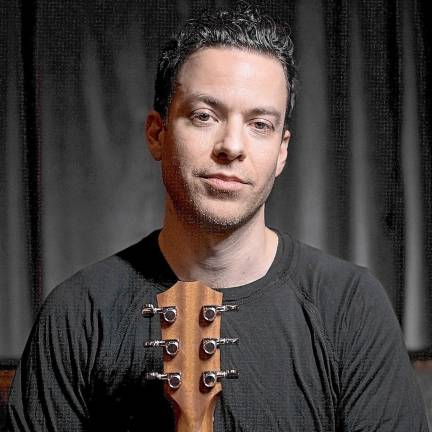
point(49, 389)
point(378, 387)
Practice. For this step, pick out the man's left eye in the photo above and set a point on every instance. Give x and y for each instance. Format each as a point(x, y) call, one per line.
point(262, 126)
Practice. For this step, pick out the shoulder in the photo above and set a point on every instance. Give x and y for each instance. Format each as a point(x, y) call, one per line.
point(344, 297)
point(320, 276)
point(109, 285)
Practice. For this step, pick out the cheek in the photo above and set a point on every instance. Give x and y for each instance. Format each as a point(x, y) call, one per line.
point(266, 163)
point(175, 162)
point(171, 151)
point(188, 150)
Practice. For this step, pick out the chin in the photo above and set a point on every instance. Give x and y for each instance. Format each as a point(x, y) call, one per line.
point(222, 220)
point(216, 215)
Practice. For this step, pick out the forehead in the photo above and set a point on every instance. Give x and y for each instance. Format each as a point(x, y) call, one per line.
point(234, 74)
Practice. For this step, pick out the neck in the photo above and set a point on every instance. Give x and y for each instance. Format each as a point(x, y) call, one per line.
point(218, 258)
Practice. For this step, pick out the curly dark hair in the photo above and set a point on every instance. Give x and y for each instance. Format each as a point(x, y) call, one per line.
point(243, 27)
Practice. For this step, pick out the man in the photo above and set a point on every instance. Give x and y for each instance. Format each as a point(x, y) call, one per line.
point(320, 348)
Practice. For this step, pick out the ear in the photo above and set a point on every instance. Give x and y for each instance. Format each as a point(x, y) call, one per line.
point(155, 133)
point(283, 152)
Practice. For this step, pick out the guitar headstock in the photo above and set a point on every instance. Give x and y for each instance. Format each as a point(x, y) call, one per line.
point(190, 327)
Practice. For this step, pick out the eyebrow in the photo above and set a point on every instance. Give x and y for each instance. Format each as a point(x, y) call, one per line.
point(216, 103)
point(269, 111)
point(207, 99)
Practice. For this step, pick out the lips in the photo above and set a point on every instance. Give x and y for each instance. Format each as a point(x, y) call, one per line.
point(224, 177)
point(224, 183)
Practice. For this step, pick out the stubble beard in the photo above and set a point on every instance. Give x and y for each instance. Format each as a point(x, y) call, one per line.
point(191, 210)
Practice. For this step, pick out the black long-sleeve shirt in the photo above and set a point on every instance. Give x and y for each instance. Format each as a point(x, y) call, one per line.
point(320, 350)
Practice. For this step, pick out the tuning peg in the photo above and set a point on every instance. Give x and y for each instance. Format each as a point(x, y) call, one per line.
point(169, 313)
point(210, 378)
point(209, 312)
point(210, 345)
point(174, 379)
point(171, 345)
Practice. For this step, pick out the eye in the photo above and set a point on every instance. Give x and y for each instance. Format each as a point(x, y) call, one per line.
point(262, 126)
point(202, 118)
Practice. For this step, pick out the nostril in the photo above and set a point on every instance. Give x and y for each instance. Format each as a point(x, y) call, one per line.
point(229, 149)
point(224, 157)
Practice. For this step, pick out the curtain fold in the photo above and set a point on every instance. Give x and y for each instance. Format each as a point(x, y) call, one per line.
point(78, 184)
point(19, 275)
point(417, 319)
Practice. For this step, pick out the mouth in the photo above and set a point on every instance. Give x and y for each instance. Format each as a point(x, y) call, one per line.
point(223, 182)
point(224, 178)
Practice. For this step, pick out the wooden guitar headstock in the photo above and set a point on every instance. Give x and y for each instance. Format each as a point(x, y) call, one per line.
point(190, 327)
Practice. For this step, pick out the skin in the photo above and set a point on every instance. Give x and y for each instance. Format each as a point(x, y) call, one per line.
point(220, 151)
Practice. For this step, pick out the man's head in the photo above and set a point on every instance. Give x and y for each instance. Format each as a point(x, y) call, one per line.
point(244, 28)
point(219, 125)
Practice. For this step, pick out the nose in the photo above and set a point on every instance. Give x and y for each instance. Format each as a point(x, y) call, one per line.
point(230, 144)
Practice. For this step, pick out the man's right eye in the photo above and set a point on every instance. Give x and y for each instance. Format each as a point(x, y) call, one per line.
point(201, 117)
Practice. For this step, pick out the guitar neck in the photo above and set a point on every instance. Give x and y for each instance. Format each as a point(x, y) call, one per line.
point(194, 402)
point(190, 327)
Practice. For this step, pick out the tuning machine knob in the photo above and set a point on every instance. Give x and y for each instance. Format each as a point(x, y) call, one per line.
point(173, 379)
point(210, 378)
point(209, 345)
point(171, 345)
point(209, 312)
point(168, 313)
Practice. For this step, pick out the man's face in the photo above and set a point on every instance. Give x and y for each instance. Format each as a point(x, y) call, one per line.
point(224, 142)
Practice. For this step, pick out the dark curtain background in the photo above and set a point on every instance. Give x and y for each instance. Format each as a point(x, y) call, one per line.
point(77, 182)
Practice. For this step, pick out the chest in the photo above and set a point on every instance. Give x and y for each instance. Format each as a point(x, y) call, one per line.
point(286, 375)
